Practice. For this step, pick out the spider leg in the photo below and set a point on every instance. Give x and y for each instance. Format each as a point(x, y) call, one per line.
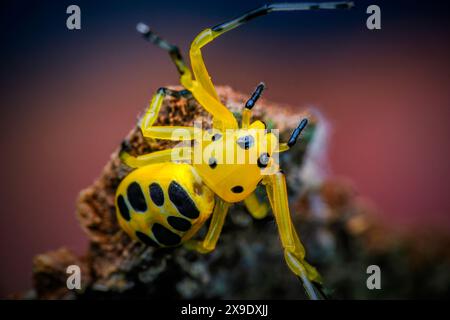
point(274, 7)
point(203, 88)
point(206, 96)
point(167, 155)
point(294, 251)
point(258, 209)
point(215, 228)
point(247, 113)
point(206, 36)
point(173, 50)
point(178, 133)
point(285, 146)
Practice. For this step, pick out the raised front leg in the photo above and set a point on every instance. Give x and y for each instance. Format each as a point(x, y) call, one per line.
point(206, 36)
point(294, 252)
point(215, 228)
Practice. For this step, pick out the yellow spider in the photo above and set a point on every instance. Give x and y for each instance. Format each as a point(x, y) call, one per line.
point(167, 199)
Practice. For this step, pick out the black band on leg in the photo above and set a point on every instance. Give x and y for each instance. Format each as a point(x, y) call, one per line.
point(173, 50)
point(296, 133)
point(174, 93)
point(255, 96)
point(272, 7)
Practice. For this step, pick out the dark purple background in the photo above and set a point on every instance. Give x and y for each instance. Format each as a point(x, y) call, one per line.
point(69, 97)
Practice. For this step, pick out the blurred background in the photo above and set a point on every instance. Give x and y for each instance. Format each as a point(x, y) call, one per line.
point(69, 97)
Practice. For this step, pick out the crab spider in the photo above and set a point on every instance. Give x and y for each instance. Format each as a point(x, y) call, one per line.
point(167, 199)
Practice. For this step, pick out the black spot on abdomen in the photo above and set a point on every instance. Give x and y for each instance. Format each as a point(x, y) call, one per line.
point(136, 197)
point(179, 224)
point(164, 235)
point(182, 201)
point(157, 194)
point(123, 209)
point(146, 239)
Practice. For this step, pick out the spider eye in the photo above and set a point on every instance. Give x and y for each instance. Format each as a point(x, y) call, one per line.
point(246, 142)
point(263, 160)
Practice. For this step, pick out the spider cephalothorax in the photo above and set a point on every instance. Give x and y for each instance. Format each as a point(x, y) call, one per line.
point(167, 199)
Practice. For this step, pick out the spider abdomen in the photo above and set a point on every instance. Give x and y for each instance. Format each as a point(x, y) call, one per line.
point(163, 204)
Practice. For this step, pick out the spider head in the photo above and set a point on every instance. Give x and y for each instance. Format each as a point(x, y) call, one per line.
point(233, 161)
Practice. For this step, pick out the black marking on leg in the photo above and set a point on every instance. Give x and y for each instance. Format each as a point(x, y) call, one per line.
point(255, 96)
point(164, 235)
point(156, 194)
point(212, 162)
point(186, 94)
point(271, 7)
point(255, 14)
point(162, 91)
point(346, 5)
point(174, 93)
point(179, 224)
point(123, 209)
point(146, 239)
point(295, 134)
point(237, 189)
point(173, 50)
point(182, 201)
point(136, 197)
point(242, 19)
point(263, 160)
point(125, 146)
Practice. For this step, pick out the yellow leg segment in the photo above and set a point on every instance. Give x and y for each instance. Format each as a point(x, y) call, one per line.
point(198, 65)
point(203, 89)
point(294, 251)
point(215, 228)
point(222, 117)
point(257, 209)
point(177, 133)
point(246, 116)
point(168, 155)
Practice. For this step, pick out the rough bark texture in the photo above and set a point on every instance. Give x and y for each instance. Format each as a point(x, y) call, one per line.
point(335, 224)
